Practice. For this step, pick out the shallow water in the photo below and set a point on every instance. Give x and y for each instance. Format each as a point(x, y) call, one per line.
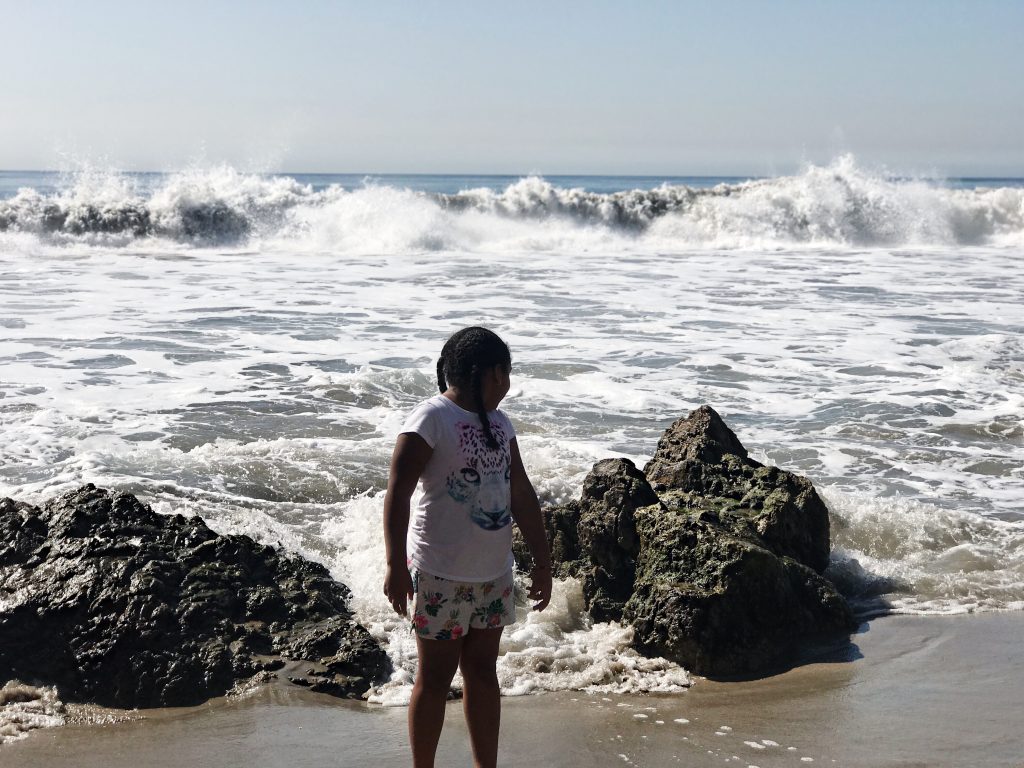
point(907, 692)
point(260, 382)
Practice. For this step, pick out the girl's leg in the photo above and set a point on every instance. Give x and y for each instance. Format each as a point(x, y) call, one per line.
point(438, 660)
point(481, 696)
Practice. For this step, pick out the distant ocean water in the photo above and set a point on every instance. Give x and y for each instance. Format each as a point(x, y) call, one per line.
point(245, 347)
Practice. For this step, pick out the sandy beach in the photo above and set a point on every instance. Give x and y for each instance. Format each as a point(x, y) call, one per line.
point(907, 691)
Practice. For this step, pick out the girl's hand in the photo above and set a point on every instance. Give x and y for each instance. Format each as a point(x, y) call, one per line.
point(398, 588)
point(540, 587)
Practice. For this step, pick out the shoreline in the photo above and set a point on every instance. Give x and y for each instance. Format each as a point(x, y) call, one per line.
point(906, 690)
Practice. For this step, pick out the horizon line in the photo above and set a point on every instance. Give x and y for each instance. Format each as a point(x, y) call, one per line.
point(746, 177)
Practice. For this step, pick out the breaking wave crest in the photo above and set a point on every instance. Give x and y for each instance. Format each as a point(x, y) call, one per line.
point(898, 555)
point(221, 205)
point(840, 204)
point(24, 708)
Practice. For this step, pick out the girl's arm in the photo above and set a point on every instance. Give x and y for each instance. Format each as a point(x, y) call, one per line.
point(527, 514)
point(407, 463)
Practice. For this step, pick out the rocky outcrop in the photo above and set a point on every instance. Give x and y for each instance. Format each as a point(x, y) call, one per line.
point(700, 456)
point(118, 605)
point(594, 539)
point(713, 595)
point(612, 493)
point(713, 558)
point(562, 527)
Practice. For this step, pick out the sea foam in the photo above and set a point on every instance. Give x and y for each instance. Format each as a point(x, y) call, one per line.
point(838, 204)
point(257, 375)
point(24, 708)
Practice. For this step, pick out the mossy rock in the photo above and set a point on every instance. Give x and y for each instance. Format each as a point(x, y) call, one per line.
point(716, 600)
point(712, 557)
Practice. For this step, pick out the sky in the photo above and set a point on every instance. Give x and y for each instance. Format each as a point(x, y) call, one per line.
point(661, 88)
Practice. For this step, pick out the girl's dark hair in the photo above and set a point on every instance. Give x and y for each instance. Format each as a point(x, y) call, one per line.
point(464, 358)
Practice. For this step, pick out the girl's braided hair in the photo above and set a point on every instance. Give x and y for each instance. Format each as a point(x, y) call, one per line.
point(464, 358)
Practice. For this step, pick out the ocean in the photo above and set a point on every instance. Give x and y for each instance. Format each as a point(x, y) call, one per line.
point(245, 347)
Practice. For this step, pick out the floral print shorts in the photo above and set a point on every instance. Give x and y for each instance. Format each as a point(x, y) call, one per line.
point(447, 610)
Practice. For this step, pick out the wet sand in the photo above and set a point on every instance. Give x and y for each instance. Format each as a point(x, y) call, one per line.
point(907, 691)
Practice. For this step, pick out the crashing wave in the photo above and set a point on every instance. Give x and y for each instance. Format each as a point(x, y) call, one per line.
point(23, 708)
point(535, 198)
point(836, 205)
point(217, 206)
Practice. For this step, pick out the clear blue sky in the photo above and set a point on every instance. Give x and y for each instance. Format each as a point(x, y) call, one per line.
point(552, 87)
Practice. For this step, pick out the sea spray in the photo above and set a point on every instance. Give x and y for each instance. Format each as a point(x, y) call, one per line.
point(896, 555)
point(24, 708)
point(841, 204)
point(260, 381)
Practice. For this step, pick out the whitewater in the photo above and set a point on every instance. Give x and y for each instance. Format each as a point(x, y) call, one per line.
point(245, 347)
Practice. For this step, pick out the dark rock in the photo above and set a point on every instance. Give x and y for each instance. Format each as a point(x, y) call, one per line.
point(613, 490)
point(341, 686)
point(594, 539)
point(118, 605)
point(562, 526)
point(718, 600)
point(701, 438)
point(701, 456)
point(341, 647)
point(715, 562)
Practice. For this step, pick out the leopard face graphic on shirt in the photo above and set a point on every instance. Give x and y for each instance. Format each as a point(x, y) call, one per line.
point(481, 482)
point(461, 529)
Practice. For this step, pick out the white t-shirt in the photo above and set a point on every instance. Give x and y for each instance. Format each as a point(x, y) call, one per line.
point(462, 527)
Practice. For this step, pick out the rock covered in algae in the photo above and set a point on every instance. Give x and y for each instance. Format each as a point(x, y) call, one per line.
point(700, 456)
point(595, 538)
point(717, 598)
point(118, 605)
point(713, 558)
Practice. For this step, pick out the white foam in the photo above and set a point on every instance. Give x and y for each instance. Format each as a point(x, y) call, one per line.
point(24, 708)
point(260, 384)
point(840, 204)
point(924, 559)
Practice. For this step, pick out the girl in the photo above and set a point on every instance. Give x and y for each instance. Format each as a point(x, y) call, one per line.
point(457, 562)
